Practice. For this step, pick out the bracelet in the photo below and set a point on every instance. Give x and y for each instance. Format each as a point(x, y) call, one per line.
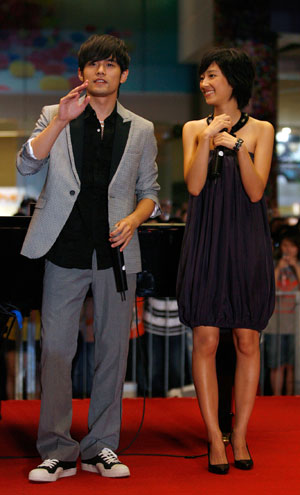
point(238, 144)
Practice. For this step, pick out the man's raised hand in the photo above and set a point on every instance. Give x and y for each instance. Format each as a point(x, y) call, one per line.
point(70, 107)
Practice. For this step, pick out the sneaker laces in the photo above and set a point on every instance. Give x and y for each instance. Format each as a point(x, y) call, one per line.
point(49, 463)
point(108, 456)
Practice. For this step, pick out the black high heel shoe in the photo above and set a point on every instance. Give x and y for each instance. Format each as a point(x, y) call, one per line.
point(216, 468)
point(244, 464)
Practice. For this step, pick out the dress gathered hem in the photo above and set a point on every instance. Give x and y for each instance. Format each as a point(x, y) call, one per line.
point(227, 325)
point(226, 271)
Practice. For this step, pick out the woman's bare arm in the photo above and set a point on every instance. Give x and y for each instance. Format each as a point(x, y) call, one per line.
point(254, 174)
point(197, 137)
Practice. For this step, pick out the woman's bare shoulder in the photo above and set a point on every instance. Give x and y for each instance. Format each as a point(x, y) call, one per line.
point(261, 125)
point(194, 126)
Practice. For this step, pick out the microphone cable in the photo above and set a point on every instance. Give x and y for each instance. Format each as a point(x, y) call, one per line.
point(143, 360)
point(136, 435)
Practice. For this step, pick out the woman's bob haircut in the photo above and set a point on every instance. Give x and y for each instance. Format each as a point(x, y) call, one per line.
point(238, 69)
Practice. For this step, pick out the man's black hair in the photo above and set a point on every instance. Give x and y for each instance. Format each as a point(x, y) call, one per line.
point(238, 69)
point(102, 47)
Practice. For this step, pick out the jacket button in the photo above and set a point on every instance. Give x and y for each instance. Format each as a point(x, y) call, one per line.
point(72, 193)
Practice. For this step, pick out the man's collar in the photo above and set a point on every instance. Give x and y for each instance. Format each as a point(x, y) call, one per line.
point(90, 111)
point(122, 111)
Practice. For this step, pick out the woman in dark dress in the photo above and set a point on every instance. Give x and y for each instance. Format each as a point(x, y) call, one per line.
point(226, 276)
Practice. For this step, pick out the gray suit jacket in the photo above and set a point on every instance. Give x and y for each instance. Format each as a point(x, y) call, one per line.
point(133, 177)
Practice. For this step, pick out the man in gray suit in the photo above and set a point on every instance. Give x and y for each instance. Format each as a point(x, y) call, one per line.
point(101, 185)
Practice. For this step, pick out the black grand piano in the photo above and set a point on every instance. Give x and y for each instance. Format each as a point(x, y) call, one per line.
point(160, 247)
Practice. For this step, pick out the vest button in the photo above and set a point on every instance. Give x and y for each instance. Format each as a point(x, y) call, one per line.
point(72, 192)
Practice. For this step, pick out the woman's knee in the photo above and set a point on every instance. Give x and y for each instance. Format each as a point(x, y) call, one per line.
point(205, 342)
point(247, 343)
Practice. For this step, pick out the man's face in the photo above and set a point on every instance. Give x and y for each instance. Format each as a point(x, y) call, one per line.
point(104, 77)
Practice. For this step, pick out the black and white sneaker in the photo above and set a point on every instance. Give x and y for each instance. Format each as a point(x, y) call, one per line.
point(52, 469)
point(107, 464)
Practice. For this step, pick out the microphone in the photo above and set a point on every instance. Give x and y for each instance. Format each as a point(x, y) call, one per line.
point(120, 271)
point(217, 162)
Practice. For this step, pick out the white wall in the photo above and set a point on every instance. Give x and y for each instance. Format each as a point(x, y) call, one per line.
point(196, 29)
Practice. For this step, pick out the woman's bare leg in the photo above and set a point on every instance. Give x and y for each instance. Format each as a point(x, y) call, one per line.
point(276, 379)
point(205, 344)
point(245, 387)
point(289, 379)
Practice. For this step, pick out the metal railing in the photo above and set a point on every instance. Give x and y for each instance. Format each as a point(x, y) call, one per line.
point(165, 368)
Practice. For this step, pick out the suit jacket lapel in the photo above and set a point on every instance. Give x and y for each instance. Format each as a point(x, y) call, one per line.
point(120, 140)
point(77, 136)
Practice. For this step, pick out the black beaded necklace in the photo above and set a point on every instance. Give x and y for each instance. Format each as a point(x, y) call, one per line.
point(240, 123)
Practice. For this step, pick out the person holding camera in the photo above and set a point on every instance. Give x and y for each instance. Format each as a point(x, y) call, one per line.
point(279, 338)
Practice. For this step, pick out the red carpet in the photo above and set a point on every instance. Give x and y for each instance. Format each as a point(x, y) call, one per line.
point(172, 426)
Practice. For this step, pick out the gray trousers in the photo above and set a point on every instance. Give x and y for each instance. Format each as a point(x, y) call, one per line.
point(63, 296)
